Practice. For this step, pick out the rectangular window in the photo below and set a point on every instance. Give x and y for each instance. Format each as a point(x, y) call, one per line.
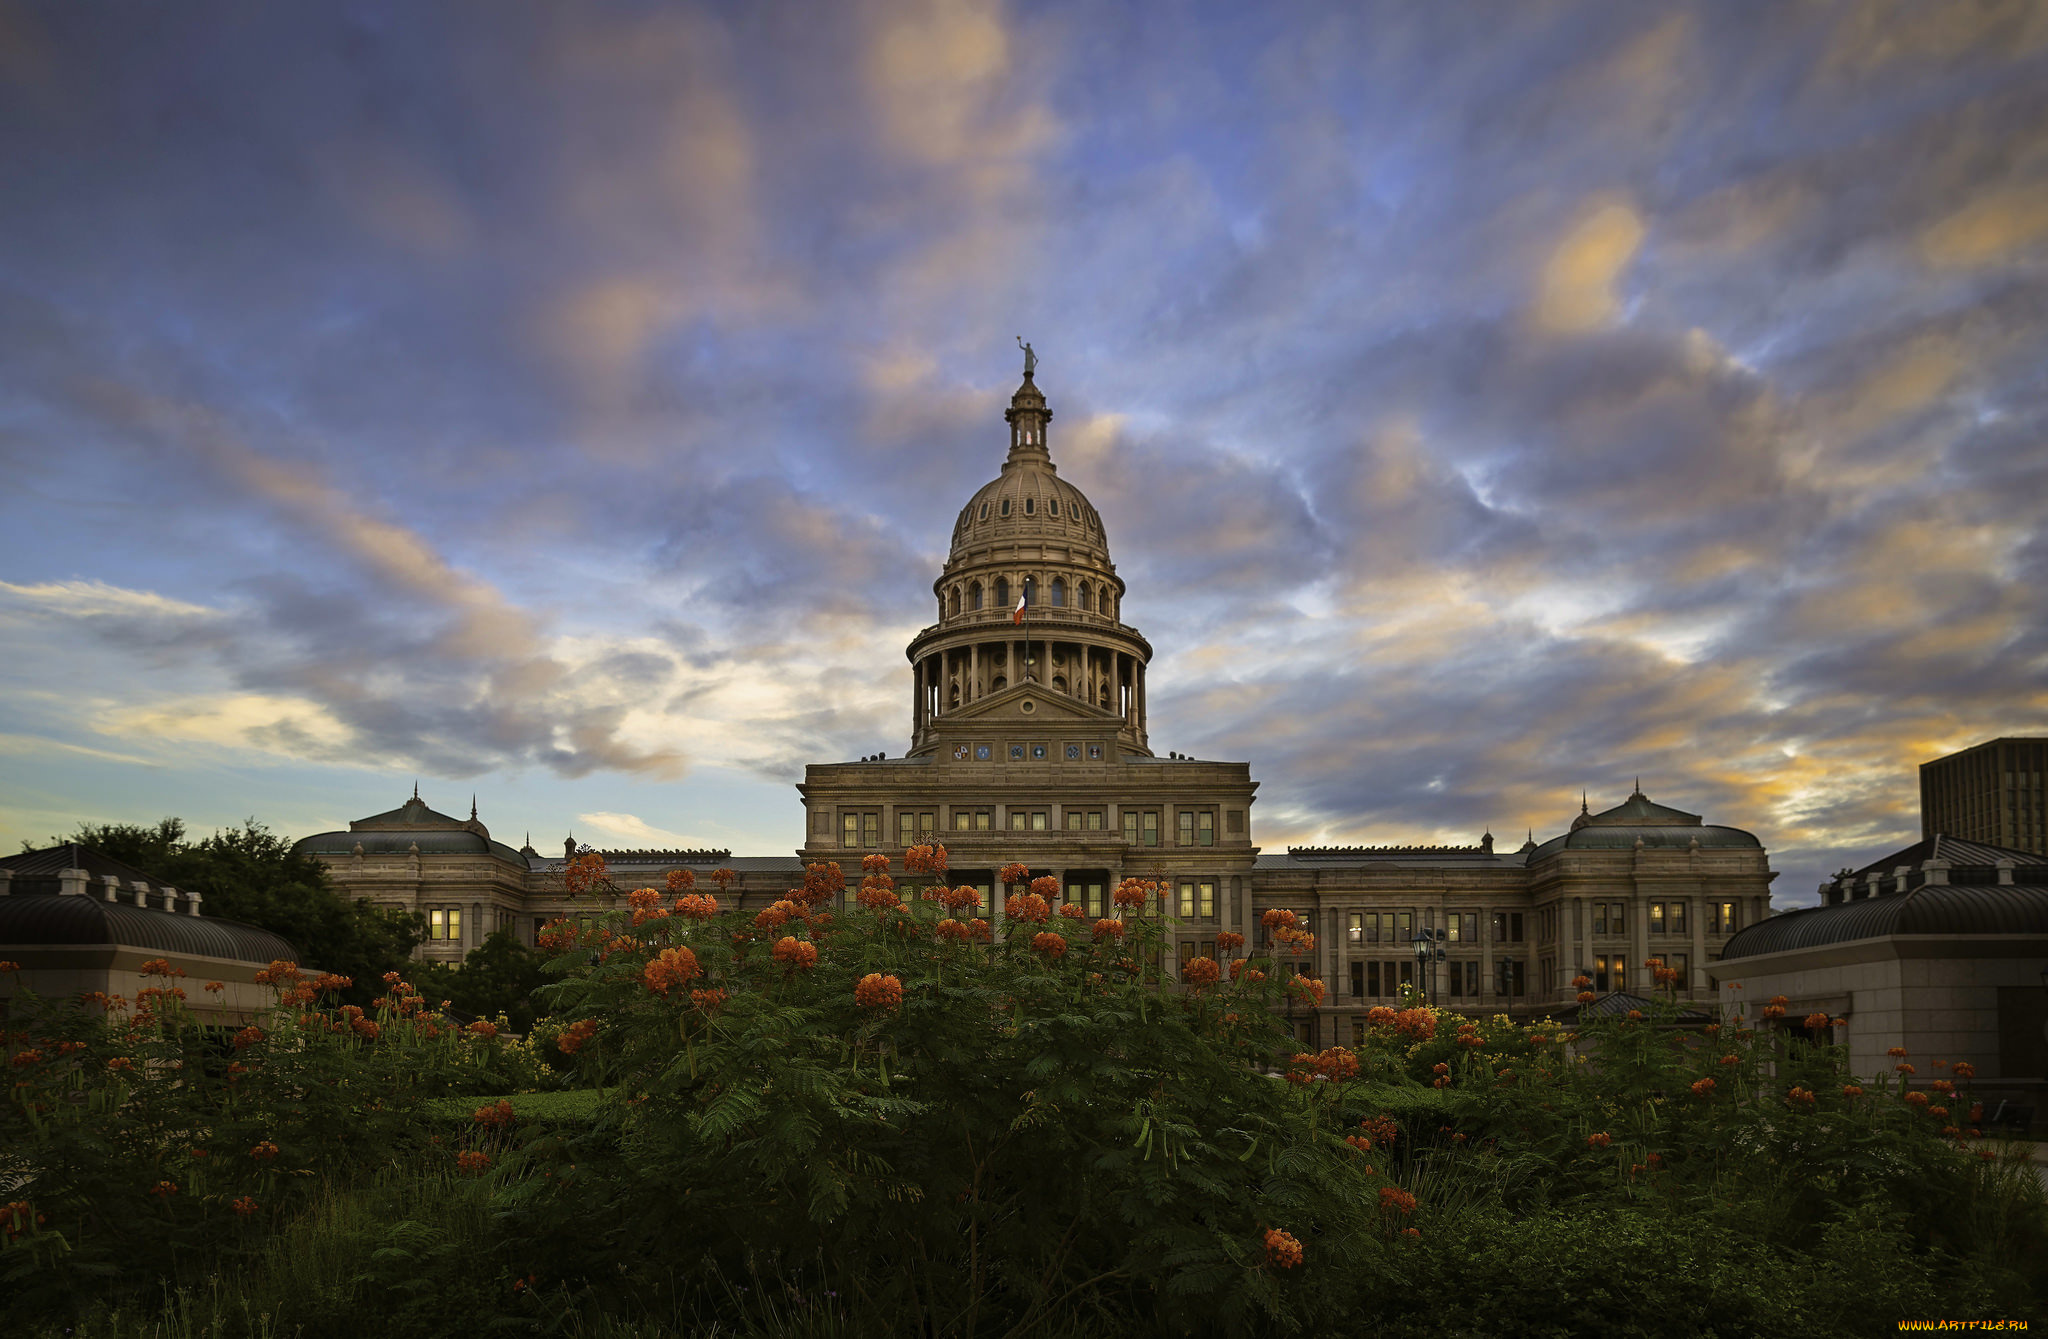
point(1681, 963)
point(1187, 827)
point(1205, 900)
point(436, 924)
point(1356, 927)
point(1453, 924)
point(1357, 980)
point(849, 829)
point(1404, 927)
point(1017, 820)
point(1150, 822)
point(1208, 948)
point(906, 828)
point(962, 820)
point(1039, 821)
point(1407, 973)
point(1472, 979)
point(1515, 927)
point(1372, 980)
point(1205, 828)
point(871, 824)
point(1500, 927)
point(1656, 918)
point(1600, 973)
point(1073, 820)
point(1454, 981)
point(1676, 912)
point(1187, 953)
point(1131, 827)
point(1722, 921)
point(1095, 820)
point(1599, 918)
point(1187, 901)
point(1616, 922)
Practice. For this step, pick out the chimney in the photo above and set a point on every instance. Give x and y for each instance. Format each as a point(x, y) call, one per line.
point(110, 887)
point(192, 903)
point(1899, 876)
point(2006, 865)
point(1873, 884)
point(1934, 871)
point(71, 882)
point(141, 887)
point(170, 896)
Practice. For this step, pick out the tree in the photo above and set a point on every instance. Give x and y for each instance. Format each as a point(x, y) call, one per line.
point(251, 874)
point(498, 977)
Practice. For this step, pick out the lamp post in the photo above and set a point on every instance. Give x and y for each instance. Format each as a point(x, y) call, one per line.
point(1421, 946)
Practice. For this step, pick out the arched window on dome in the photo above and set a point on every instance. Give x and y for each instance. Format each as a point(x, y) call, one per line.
point(1108, 602)
point(1059, 683)
point(1028, 504)
point(1081, 596)
point(974, 596)
point(1054, 506)
point(984, 511)
point(955, 602)
point(1002, 592)
point(1059, 593)
point(1005, 508)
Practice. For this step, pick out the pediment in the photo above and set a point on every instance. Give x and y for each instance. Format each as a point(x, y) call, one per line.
point(1027, 704)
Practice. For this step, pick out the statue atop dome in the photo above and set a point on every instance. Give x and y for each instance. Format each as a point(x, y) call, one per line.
point(1030, 358)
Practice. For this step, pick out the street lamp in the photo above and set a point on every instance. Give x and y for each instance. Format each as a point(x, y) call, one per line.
point(1425, 962)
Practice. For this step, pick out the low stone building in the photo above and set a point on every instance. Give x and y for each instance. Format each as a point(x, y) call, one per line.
point(78, 921)
point(1940, 948)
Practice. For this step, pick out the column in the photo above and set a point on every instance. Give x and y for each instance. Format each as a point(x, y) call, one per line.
point(1489, 979)
point(1696, 966)
point(918, 702)
point(972, 688)
point(1639, 944)
point(1138, 691)
point(473, 933)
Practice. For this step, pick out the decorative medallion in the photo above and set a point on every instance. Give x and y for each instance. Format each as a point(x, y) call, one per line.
point(1016, 753)
point(959, 753)
point(1038, 753)
point(1095, 753)
point(982, 752)
point(1074, 752)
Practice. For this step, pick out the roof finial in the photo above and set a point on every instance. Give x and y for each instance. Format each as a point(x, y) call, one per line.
point(1030, 358)
point(1584, 808)
point(415, 788)
point(1639, 783)
point(472, 806)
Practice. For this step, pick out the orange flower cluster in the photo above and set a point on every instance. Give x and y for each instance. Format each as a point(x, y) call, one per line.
point(1282, 1249)
point(1027, 907)
point(1938, 1111)
point(1468, 1035)
point(1964, 1070)
point(951, 929)
point(878, 891)
point(1308, 989)
point(962, 898)
point(120, 1063)
point(822, 883)
point(876, 991)
point(1780, 1000)
point(1074, 911)
point(796, 954)
point(874, 864)
point(1587, 997)
point(1013, 873)
point(497, 1116)
point(1109, 929)
point(1800, 1096)
point(1774, 1011)
point(1600, 1140)
point(572, 1038)
point(279, 973)
point(1046, 887)
point(243, 1206)
point(1051, 943)
point(473, 1160)
point(247, 1037)
point(584, 873)
point(1702, 1087)
point(1379, 1016)
point(641, 899)
point(1361, 1144)
point(1298, 1072)
point(1942, 1086)
point(1581, 982)
point(1635, 1015)
point(1417, 1024)
point(23, 1059)
point(1539, 1039)
point(264, 1151)
point(1665, 976)
point(1201, 972)
point(1241, 969)
point(11, 967)
point(670, 968)
point(1336, 1064)
point(556, 935)
point(1905, 1068)
point(725, 878)
point(1230, 941)
point(482, 1028)
point(681, 881)
point(1379, 1130)
point(1817, 1022)
point(164, 1189)
point(1397, 1199)
point(1851, 1090)
point(1131, 893)
point(925, 859)
point(1917, 1099)
point(1731, 1059)
point(1897, 1053)
point(778, 914)
point(708, 1000)
point(979, 931)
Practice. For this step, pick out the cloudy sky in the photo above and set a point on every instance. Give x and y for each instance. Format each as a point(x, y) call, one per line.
point(571, 404)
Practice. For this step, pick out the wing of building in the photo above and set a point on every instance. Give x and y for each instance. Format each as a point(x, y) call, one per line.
point(1029, 743)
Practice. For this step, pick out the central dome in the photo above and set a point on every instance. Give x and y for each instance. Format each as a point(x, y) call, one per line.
point(1028, 501)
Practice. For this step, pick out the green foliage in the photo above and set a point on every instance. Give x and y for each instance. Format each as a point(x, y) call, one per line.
point(497, 978)
point(250, 874)
point(1031, 1136)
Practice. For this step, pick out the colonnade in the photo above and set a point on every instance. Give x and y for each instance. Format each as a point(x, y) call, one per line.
point(957, 676)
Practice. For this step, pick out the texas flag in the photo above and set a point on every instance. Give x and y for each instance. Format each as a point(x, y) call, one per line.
point(1023, 601)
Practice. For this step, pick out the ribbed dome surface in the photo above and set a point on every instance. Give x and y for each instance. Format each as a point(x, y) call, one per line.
point(1028, 501)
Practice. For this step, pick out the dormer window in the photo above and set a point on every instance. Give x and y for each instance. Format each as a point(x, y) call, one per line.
point(1054, 505)
point(984, 511)
point(1028, 504)
point(1005, 508)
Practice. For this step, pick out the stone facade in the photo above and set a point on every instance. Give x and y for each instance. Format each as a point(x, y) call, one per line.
point(1029, 742)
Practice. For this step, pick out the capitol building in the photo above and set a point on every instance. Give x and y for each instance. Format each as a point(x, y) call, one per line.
point(1028, 743)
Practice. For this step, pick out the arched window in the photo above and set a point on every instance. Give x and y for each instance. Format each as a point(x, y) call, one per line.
point(1059, 593)
point(974, 596)
point(1082, 596)
point(1005, 508)
point(956, 600)
point(1059, 683)
point(1028, 504)
point(984, 511)
point(1054, 505)
point(1002, 592)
